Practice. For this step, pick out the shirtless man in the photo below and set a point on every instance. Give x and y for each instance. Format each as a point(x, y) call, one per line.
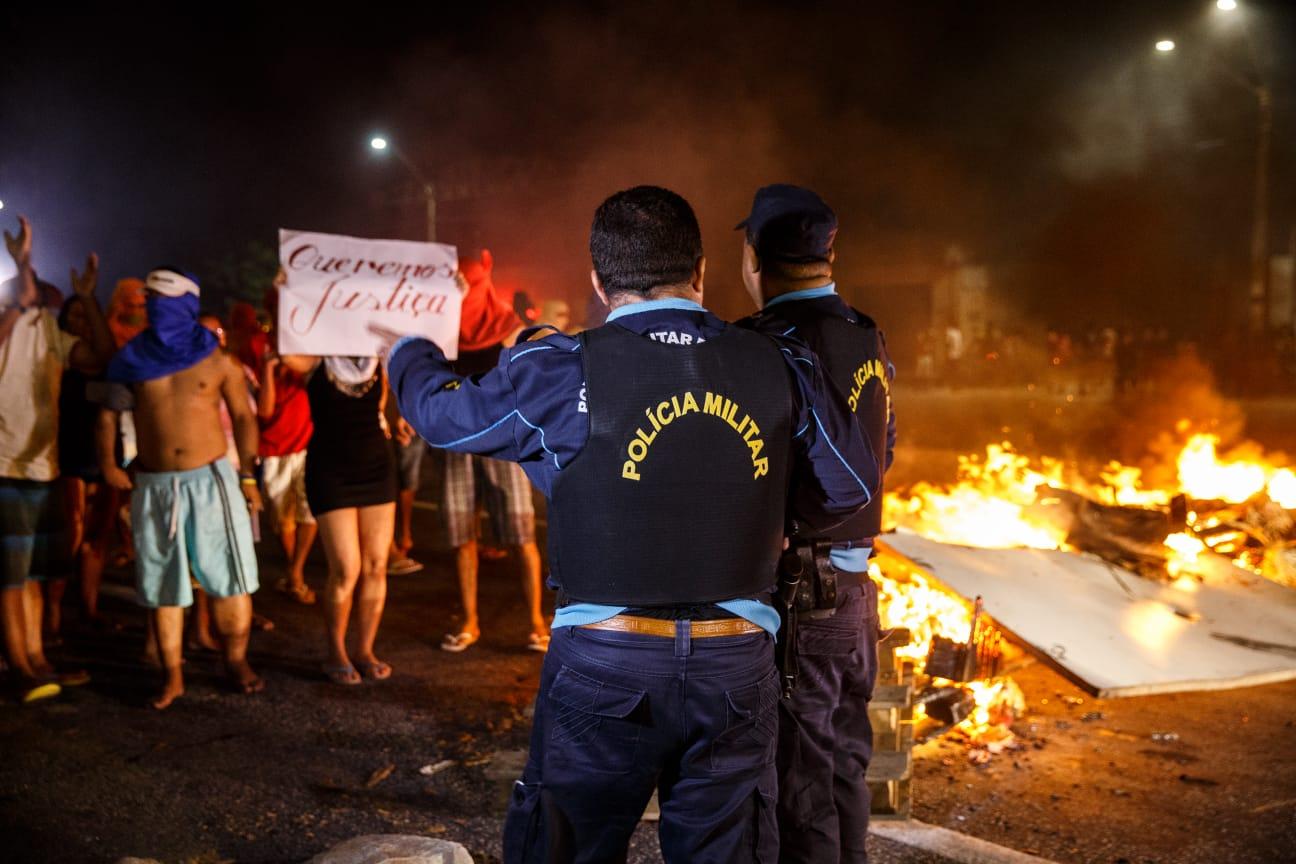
point(187, 515)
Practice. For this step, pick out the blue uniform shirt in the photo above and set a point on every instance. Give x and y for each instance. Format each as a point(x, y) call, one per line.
point(826, 300)
point(531, 409)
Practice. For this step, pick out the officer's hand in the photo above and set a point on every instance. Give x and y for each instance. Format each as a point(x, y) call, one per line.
point(404, 432)
point(386, 338)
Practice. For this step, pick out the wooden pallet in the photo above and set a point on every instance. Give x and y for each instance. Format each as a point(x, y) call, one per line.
point(890, 772)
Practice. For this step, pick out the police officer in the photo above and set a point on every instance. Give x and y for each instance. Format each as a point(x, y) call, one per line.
point(665, 441)
point(825, 739)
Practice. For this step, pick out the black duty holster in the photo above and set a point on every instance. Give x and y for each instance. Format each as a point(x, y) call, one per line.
point(807, 586)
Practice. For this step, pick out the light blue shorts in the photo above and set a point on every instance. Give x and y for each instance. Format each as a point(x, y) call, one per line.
point(191, 523)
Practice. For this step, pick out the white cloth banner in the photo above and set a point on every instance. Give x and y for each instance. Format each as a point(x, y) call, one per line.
point(338, 286)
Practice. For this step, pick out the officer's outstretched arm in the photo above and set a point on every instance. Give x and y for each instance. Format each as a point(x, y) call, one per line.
point(470, 415)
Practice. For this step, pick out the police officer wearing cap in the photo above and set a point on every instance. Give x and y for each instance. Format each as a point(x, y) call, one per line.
point(667, 443)
point(825, 739)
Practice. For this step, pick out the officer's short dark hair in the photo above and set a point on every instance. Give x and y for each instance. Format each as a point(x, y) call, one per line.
point(644, 238)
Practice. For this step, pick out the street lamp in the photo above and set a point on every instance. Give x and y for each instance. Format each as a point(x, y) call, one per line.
point(380, 144)
point(1258, 289)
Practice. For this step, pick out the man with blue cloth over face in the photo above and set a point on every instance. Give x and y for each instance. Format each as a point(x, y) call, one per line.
point(825, 738)
point(189, 508)
point(667, 443)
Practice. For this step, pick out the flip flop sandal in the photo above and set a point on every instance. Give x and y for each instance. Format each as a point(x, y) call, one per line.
point(455, 643)
point(404, 567)
point(48, 690)
point(345, 675)
point(536, 642)
point(376, 671)
point(78, 678)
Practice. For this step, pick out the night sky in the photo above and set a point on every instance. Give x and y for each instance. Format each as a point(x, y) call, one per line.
point(1095, 179)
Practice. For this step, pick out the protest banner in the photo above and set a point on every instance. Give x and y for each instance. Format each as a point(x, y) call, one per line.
point(337, 286)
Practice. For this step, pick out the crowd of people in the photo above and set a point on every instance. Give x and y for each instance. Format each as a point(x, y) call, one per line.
point(712, 487)
point(135, 433)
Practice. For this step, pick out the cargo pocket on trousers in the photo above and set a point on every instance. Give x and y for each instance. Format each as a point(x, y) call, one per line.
point(522, 841)
point(592, 722)
point(751, 726)
point(766, 832)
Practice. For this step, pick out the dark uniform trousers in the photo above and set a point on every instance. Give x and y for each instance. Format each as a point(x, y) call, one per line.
point(619, 715)
point(825, 738)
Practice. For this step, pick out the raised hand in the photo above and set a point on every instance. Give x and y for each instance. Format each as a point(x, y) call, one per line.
point(20, 247)
point(84, 283)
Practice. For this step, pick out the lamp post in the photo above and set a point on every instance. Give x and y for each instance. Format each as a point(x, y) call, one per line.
point(1258, 285)
point(380, 144)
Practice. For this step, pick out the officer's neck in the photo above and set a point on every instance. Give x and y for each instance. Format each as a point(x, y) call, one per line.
point(773, 288)
point(667, 292)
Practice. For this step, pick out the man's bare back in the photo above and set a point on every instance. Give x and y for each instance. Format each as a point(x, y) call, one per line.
point(177, 417)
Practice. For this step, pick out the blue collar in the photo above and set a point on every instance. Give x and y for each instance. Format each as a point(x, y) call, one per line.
point(654, 306)
point(806, 294)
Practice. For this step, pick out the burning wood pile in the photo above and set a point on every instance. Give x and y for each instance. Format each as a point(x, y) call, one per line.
point(1241, 505)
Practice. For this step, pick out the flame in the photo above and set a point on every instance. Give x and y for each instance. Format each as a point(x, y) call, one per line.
point(990, 506)
point(1185, 550)
point(1282, 488)
point(1204, 477)
point(985, 508)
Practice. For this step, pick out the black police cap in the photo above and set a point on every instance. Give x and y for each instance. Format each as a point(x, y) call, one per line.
point(791, 223)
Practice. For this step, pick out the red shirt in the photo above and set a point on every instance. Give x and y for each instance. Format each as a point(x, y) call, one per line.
point(289, 428)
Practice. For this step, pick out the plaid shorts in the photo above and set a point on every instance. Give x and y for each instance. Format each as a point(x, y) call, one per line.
point(33, 541)
point(506, 492)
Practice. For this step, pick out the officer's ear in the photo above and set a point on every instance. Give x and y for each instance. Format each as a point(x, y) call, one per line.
point(832, 255)
point(598, 288)
point(699, 276)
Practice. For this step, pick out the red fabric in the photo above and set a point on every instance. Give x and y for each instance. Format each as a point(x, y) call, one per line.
point(127, 316)
point(486, 319)
point(289, 428)
point(246, 336)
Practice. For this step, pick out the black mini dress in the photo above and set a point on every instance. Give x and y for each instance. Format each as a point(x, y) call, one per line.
point(349, 459)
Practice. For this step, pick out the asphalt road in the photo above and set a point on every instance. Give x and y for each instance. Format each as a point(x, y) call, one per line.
point(95, 774)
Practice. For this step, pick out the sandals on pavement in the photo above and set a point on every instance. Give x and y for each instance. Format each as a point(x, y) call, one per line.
point(376, 671)
point(403, 566)
point(537, 642)
point(345, 674)
point(46, 690)
point(457, 642)
point(300, 592)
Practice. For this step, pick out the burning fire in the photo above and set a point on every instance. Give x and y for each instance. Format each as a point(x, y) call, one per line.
point(985, 508)
point(989, 506)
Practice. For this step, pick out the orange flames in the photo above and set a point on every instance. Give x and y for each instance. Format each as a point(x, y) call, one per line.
point(988, 506)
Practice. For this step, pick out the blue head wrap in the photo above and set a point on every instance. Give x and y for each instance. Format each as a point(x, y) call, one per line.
point(173, 341)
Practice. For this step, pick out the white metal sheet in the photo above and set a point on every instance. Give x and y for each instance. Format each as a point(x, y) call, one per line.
point(1115, 633)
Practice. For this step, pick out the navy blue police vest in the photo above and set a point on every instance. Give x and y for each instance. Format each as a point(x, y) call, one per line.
point(852, 356)
point(678, 496)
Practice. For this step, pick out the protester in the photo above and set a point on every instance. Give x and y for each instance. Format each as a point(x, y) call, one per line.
point(127, 312)
point(487, 324)
point(284, 414)
point(409, 462)
point(666, 518)
point(34, 353)
point(351, 489)
point(187, 515)
point(91, 505)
